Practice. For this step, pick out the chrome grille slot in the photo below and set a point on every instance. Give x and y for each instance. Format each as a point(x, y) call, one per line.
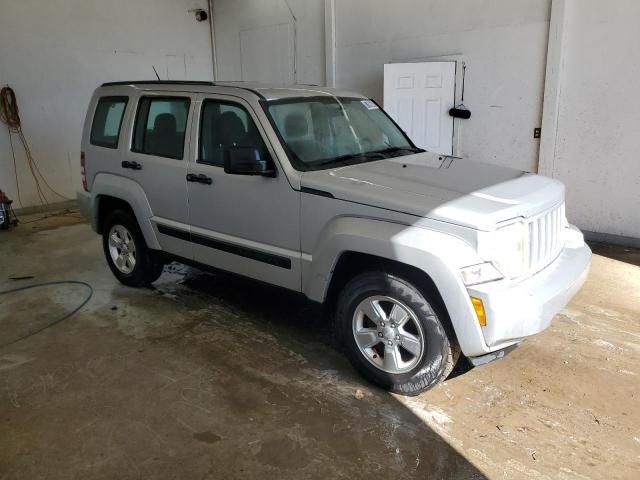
point(544, 238)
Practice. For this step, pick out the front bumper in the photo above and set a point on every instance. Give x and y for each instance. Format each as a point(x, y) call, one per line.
point(516, 311)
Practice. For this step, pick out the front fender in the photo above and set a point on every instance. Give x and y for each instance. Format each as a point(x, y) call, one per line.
point(437, 254)
point(131, 192)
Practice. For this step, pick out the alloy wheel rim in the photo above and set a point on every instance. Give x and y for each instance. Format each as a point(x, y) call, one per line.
point(122, 249)
point(388, 334)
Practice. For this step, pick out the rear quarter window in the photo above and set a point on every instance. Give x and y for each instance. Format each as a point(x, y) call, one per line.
point(107, 121)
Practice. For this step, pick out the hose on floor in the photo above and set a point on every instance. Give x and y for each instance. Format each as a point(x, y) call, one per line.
point(55, 322)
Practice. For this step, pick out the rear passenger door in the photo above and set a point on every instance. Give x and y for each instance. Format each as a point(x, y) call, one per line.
point(245, 224)
point(157, 161)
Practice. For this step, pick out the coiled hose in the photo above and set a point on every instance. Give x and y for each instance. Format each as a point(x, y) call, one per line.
point(61, 319)
point(10, 115)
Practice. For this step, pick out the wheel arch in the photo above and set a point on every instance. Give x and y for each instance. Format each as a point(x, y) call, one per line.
point(114, 192)
point(429, 258)
point(105, 204)
point(352, 263)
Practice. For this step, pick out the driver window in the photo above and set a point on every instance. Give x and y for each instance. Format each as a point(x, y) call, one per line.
point(224, 125)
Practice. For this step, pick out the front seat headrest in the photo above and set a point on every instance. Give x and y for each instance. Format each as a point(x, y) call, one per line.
point(232, 128)
point(296, 125)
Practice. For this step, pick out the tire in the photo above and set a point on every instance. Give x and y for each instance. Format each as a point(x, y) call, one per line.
point(423, 350)
point(137, 267)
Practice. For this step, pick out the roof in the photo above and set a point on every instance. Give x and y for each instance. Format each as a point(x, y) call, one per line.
point(266, 91)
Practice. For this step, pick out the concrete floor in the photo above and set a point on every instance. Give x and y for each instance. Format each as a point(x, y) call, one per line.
point(216, 377)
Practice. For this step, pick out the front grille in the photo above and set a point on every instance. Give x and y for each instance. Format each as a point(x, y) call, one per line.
point(545, 238)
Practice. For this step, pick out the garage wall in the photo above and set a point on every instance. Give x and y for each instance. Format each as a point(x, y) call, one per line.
point(55, 53)
point(503, 42)
point(273, 41)
point(592, 118)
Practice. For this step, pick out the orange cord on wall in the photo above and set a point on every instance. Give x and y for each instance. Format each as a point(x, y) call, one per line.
point(9, 114)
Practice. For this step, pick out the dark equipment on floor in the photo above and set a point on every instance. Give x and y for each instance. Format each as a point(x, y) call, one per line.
point(7, 217)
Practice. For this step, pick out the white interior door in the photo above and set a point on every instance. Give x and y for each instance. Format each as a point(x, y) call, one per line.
point(418, 96)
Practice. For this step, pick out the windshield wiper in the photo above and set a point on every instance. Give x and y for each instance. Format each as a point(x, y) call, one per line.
point(399, 149)
point(380, 154)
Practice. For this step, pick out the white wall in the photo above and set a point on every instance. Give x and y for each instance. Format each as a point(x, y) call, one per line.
point(53, 54)
point(235, 19)
point(504, 44)
point(595, 148)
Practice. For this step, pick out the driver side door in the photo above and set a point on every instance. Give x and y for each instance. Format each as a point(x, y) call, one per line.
point(246, 224)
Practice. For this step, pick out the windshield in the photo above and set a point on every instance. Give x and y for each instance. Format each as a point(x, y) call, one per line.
point(324, 132)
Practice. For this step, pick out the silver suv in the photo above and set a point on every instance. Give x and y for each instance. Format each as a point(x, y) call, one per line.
point(421, 257)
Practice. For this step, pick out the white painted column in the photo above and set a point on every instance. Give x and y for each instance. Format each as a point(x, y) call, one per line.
point(552, 86)
point(330, 42)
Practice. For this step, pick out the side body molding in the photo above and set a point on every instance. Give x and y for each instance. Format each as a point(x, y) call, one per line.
point(132, 193)
point(437, 254)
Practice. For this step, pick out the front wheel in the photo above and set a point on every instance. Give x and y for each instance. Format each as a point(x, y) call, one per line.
point(126, 251)
point(393, 335)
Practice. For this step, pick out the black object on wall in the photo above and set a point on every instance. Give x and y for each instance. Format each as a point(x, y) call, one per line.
point(461, 111)
point(458, 112)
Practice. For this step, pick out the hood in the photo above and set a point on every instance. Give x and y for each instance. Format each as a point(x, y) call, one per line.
point(464, 192)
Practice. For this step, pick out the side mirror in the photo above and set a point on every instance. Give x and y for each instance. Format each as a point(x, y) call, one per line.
point(240, 160)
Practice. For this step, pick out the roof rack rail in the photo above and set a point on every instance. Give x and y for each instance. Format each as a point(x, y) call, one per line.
point(160, 82)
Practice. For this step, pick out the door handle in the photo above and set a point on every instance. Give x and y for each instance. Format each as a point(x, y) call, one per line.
point(199, 179)
point(131, 165)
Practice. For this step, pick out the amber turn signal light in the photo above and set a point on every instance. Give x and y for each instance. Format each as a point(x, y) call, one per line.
point(479, 308)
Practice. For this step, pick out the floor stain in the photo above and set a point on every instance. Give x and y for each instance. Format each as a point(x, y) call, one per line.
point(207, 437)
point(283, 452)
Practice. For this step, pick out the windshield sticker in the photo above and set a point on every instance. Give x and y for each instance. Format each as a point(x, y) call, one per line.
point(369, 104)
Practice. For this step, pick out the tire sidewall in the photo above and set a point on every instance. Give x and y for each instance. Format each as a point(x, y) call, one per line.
point(138, 275)
point(437, 348)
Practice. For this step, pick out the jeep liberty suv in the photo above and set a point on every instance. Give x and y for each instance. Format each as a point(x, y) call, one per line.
point(421, 257)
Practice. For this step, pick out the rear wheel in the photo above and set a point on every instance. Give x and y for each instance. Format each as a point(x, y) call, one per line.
point(126, 251)
point(393, 335)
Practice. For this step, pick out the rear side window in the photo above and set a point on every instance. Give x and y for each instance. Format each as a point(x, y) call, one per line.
point(160, 126)
point(107, 121)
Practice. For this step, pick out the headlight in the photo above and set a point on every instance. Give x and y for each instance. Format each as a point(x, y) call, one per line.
point(483, 273)
point(506, 248)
